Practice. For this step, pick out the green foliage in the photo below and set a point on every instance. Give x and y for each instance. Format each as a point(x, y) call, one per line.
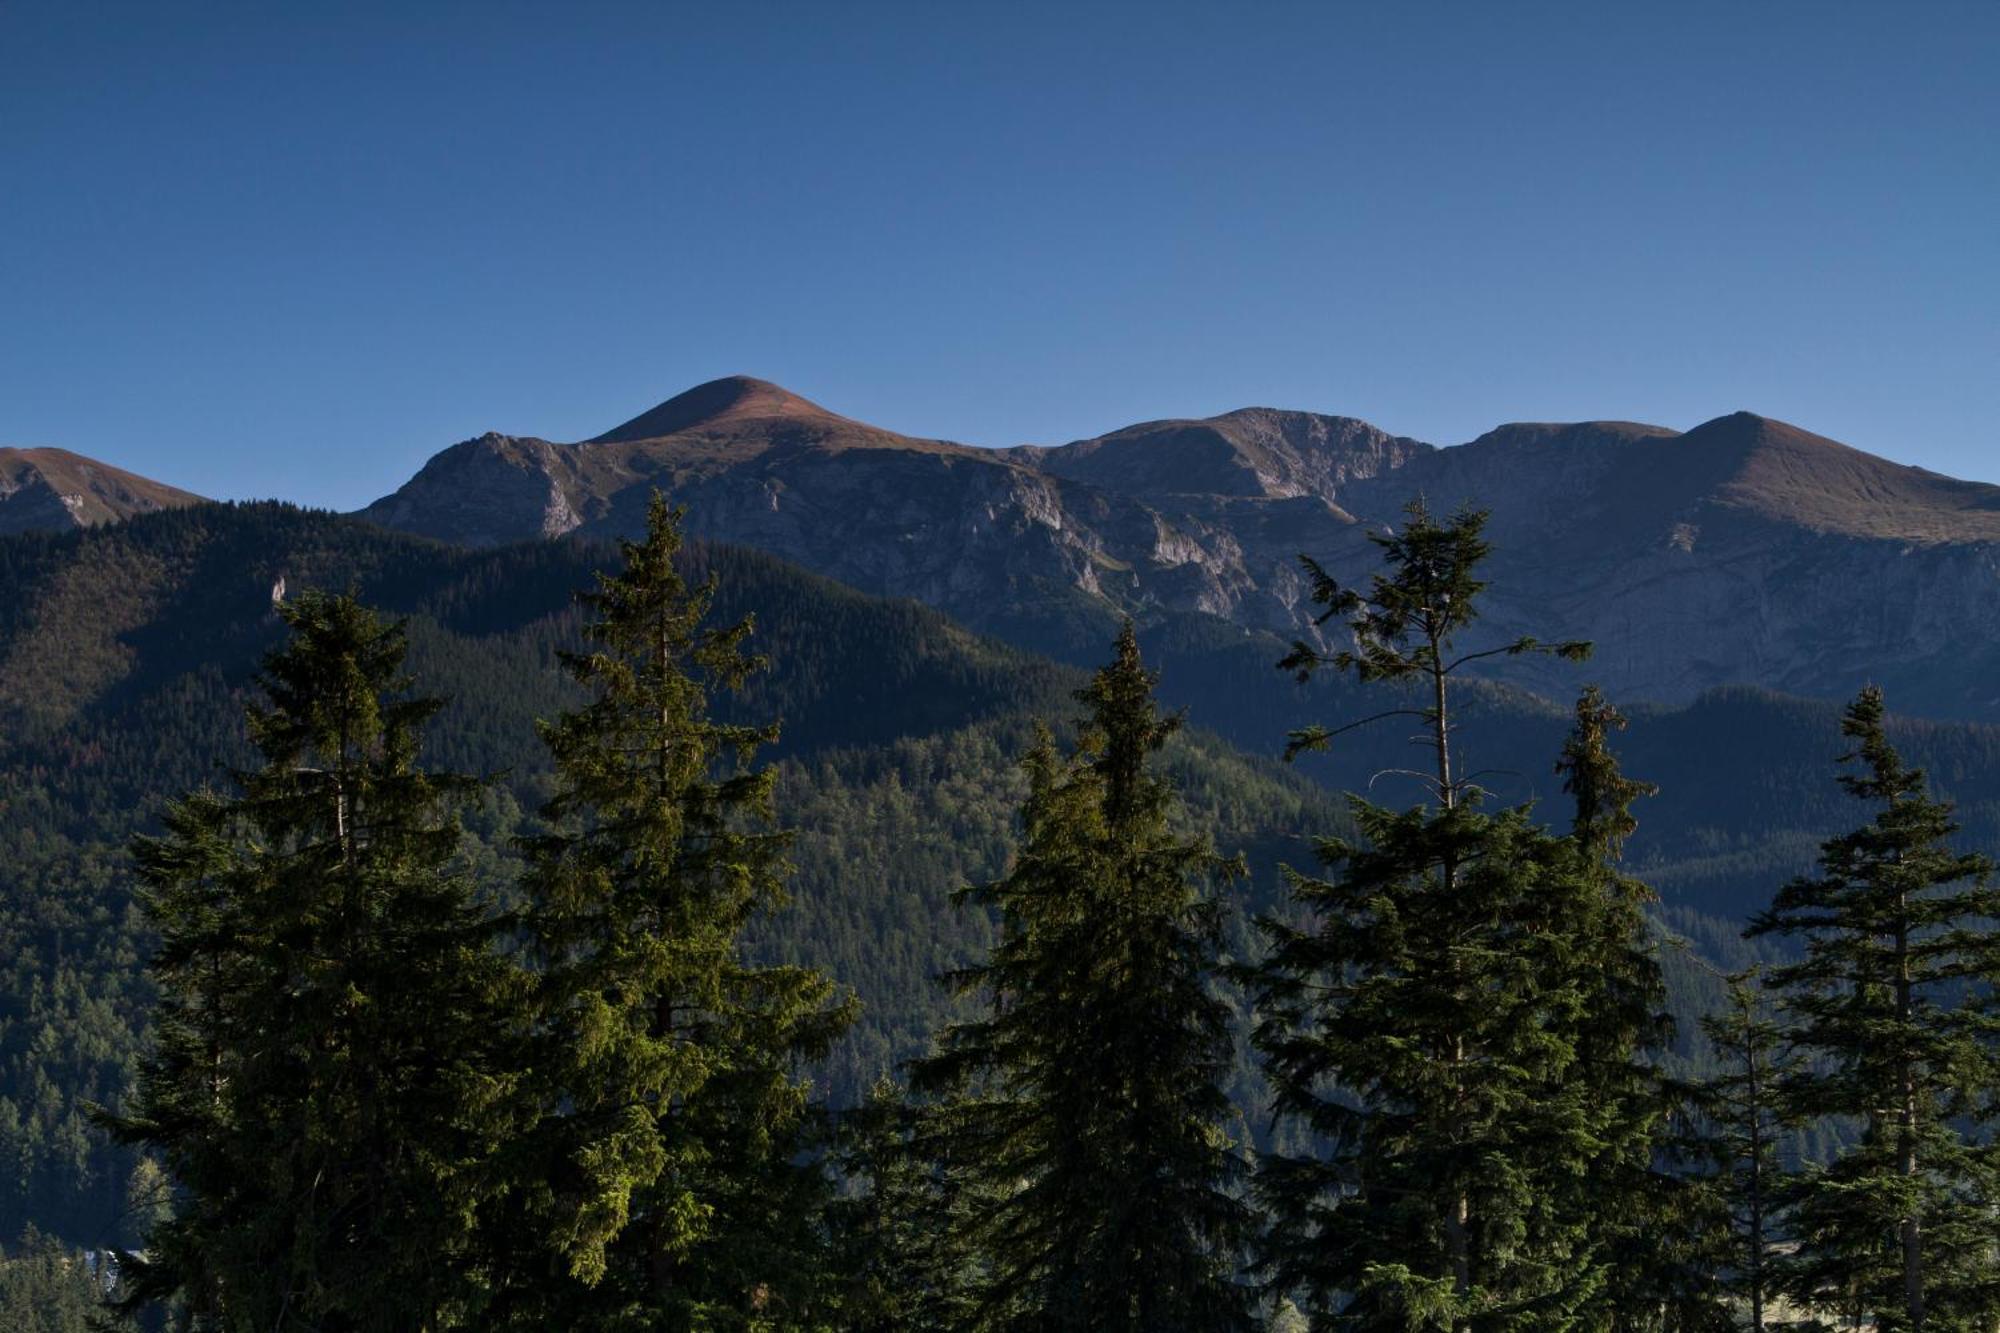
point(905, 1256)
point(127, 655)
point(1087, 1100)
point(1624, 1201)
point(1892, 1003)
point(1459, 1012)
point(1403, 627)
point(665, 1169)
point(45, 1288)
point(328, 1074)
point(1423, 1028)
point(1734, 1233)
point(896, 770)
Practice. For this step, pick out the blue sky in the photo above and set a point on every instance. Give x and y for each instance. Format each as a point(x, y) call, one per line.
point(293, 250)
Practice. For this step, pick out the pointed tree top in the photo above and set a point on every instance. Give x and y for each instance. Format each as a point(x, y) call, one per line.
point(1591, 775)
point(1887, 777)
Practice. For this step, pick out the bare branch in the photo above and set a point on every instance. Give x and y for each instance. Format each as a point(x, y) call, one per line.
point(1316, 738)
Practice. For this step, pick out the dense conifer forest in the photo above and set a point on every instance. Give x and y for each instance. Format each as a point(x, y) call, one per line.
point(391, 939)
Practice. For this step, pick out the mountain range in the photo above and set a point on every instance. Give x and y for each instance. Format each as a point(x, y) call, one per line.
point(1743, 551)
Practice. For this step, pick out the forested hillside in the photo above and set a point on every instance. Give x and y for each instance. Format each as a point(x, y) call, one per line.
point(128, 656)
point(128, 653)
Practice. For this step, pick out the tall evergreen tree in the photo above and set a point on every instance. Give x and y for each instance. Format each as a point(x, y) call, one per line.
point(670, 1171)
point(1087, 1101)
point(1629, 1197)
point(1459, 1014)
point(328, 1088)
point(1891, 1005)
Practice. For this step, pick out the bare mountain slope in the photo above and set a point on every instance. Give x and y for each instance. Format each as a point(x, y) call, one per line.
point(1254, 451)
point(54, 490)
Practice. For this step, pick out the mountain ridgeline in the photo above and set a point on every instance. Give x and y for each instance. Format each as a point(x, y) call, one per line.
point(1729, 554)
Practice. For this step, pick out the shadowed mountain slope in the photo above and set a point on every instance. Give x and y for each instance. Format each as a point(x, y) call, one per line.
point(1254, 451)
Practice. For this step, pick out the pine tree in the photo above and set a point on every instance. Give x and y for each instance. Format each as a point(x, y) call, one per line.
point(1890, 1006)
point(673, 1169)
point(1087, 1101)
point(1459, 1012)
point(329, 1083)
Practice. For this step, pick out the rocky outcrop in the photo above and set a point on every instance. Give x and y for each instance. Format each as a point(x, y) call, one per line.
point(1257, 451)
point(483, 492)
point(1743, 551)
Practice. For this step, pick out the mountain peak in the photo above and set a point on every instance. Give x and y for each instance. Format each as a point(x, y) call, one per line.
point(1784, 472)
point(1749, 427)
point(731, 398)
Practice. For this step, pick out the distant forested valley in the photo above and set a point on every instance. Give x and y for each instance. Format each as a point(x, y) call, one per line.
point(658, 935)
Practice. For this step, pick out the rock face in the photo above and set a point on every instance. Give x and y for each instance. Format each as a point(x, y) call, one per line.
point(53, 490)
point(497, 488)
point(1254, 452)
point(1743, 551)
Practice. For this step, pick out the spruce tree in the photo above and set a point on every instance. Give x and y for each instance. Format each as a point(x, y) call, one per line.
point(1459, 1012)
point(1890, 1006)
point(672, 1171)
point(1628, 1197)
point(1087, 1101)
point(328, 1089)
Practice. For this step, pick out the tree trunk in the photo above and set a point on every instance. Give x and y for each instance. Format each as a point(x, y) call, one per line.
point(1756, 1097)
point(1458, 1219)
point(1906, 1136)
point(1441, 725)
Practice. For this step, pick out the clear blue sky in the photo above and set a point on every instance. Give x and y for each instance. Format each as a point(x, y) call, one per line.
point(279, 249)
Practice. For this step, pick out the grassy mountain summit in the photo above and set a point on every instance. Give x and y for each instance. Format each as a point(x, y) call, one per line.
point(56, 490)
point(718, 406)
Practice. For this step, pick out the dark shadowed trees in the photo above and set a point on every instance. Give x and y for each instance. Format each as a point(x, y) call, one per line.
point(1086, 1104)
point(1458, 1011)
point(329, 1086)
point(1891, 1009)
